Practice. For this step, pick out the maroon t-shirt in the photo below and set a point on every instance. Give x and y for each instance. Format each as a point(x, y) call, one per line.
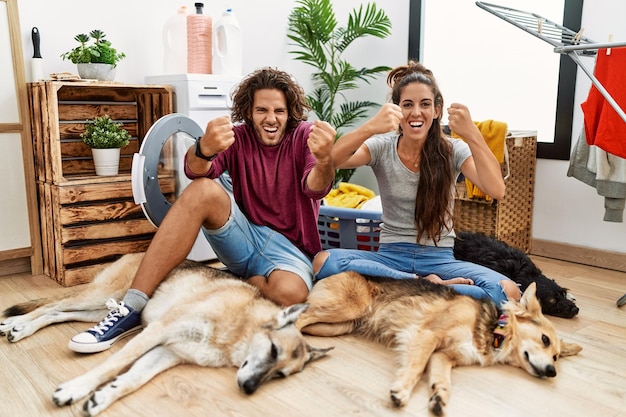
point(269, 184)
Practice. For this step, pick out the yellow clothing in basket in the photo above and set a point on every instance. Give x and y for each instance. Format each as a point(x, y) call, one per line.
point(348, 195)
point(494, 133)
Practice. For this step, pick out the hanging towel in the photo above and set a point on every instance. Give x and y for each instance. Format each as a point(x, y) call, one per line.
point(605, 128)
point(348, 195)
point(494, 133)
point(603, 171)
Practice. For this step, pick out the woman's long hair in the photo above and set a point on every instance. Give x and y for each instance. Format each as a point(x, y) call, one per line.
point(432, 201)
point(270, 78)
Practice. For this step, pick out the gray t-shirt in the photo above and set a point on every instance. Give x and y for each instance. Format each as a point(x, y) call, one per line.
point(398, 186)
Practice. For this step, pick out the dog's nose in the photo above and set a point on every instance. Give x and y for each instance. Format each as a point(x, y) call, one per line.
point(550, 371)
point(249, 386)
point(566, 309)
point(570, 311)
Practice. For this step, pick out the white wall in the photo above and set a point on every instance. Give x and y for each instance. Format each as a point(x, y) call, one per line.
point(14, 230)
point(135, 27)
point(566, 210)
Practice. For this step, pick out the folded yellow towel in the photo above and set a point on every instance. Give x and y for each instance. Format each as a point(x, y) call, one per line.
point(494, 133)
point(348, 195)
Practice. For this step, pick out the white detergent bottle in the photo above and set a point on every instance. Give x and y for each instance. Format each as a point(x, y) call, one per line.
point(228, 46)
point(175, 43)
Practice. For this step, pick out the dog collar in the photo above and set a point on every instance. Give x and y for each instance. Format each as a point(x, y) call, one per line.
point(499, 333)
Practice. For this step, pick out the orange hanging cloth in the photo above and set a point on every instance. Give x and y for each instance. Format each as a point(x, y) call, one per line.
point(605, 128)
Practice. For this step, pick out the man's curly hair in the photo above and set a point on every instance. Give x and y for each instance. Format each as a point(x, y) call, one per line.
point(270, 78)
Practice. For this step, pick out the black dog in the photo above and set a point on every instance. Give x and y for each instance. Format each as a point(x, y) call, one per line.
point(515, 264)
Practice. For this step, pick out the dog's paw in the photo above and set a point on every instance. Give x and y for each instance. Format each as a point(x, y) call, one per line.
point(95, 404)
point(19, 332)
point(399, 397)
point(6, 325)
point(437, 403)
point(16, 328)
point(70, 392)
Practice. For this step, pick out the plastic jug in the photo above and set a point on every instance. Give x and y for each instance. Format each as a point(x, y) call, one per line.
point(199, 42)
point(228, 47)
point(175, 43)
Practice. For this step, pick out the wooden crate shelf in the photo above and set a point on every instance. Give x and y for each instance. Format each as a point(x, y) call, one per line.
point(86, 225)
point(88, 220)
point(59, 111)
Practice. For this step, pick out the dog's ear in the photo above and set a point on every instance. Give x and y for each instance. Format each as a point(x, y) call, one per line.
point(569, 349)
point(289, 315)
point(316, 353)
point(529, 300)
point(528, 306)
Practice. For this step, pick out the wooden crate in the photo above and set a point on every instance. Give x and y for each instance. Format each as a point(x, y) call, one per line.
point(59, 111)
point(90, 223)
point(88, 220)
point(508, 219)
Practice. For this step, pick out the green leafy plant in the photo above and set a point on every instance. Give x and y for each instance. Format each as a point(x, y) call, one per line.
point(104, 133)
point(99, 52)
point(314, 30)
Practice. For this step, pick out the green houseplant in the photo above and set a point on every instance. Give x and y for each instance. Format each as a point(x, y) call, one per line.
point(320, 43)
point(97, 56)
point(105, 137)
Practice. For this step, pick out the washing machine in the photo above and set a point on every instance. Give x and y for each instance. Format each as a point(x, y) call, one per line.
point(158, 176)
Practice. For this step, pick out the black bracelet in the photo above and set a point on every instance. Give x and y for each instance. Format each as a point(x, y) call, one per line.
point(199, 153)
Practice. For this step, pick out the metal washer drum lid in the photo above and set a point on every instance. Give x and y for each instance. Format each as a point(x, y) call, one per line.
point(145, 183)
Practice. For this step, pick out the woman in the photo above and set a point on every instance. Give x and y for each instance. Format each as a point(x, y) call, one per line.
point(416, 168)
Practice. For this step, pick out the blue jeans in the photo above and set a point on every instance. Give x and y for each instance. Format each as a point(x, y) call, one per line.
point(248, 249)
point(405, 260)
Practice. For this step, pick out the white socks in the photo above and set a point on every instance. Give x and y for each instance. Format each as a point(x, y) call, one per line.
point(135, 299)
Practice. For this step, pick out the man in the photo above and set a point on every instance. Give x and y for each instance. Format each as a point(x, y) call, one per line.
point(266, 232)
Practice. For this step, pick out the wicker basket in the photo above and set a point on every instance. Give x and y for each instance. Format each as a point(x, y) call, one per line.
point(508, 219)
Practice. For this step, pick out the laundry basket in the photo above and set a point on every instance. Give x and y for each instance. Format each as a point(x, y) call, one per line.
point(349, 228)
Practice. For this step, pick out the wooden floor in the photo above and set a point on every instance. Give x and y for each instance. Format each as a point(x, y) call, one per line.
point(353, 381)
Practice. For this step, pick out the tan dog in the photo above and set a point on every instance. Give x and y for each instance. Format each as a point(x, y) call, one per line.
point(199, 315)
point(431, 325)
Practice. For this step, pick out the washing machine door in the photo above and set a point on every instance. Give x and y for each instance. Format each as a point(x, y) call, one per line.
point(158, 173)
point(158, 176)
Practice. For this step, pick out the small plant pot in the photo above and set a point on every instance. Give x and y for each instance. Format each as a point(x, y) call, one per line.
point(106, 161)
point(100, 72)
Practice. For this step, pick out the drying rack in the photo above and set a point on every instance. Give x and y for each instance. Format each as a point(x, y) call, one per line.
point(565, 41)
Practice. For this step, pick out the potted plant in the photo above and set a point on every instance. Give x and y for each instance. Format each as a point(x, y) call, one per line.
point(105, 138)
point(97, 60)
point(313, 29)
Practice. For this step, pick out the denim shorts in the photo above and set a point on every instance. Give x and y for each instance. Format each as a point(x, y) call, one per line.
point(249, 250)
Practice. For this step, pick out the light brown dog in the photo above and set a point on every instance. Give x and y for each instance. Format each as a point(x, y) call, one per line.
point(198, 315)
point(431, 325)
